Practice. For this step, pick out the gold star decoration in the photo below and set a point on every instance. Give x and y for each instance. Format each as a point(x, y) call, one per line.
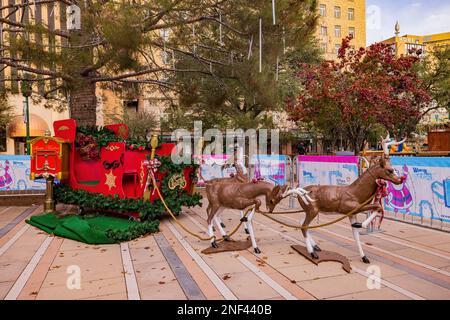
point(110, 180)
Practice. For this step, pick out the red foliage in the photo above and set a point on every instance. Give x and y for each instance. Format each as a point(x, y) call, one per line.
point(360, 88)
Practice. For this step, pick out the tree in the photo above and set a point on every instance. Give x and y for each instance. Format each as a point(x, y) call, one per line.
point(5, 110)
point(118, 45)
point(434, 71)
point(363, 89)
point(233, 91)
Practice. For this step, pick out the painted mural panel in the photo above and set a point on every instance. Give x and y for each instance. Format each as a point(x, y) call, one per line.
point(426, 190)
point(327, 170)
point(15, 174)
point(270, 167)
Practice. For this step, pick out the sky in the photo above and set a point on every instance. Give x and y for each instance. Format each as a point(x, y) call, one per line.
point(418, 17)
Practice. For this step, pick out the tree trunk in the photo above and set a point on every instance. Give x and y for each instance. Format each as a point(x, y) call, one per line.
point(83, 103)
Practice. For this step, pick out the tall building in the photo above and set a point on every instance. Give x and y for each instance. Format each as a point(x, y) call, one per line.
point(338, 19)
point(403, 44)
point(110, 104)
point(408, 43)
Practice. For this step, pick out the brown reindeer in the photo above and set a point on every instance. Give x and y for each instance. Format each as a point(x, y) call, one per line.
point(239, 177)
point(240, 196)
point(343, 199)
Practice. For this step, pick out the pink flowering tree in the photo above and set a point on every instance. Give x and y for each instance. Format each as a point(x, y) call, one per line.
point(362, 90)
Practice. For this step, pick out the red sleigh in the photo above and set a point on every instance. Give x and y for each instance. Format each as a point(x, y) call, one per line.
point(119, 171)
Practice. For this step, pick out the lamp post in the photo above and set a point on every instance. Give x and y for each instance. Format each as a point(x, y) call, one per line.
point(26, 92)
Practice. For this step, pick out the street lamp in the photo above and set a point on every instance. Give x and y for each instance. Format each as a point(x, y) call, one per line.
point(26, 92)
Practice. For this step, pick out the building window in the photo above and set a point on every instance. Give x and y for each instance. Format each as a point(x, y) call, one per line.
point(323, 30)
point(351, 32)
point(351, 14)
point(323, 10)
point(337, 12)
point(131, 107)
point(323, 47)
point(336, 48)
point(337, 31)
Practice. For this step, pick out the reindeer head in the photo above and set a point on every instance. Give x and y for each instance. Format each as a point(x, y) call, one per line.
point(275, 196)
point(386, 171)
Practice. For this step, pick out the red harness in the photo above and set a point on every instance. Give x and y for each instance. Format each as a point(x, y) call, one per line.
point(381, 192)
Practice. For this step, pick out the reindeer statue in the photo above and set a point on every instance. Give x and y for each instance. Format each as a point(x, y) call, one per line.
point(239, 177)
point(343, 199)
point(240, 196)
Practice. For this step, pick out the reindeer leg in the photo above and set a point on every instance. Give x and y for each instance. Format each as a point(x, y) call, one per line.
point(310, 214)
point(210, 220)
point(358, 241)
point(222, 232)
point(245, 222)
point(252, 233)
point(368, 207)
point(370, 218)
point(313, 243)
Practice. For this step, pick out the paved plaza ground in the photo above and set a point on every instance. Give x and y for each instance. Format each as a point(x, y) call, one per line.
point(414, 262)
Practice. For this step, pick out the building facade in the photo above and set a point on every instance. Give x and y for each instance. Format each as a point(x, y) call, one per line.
point(338, 19)
point(404, 44)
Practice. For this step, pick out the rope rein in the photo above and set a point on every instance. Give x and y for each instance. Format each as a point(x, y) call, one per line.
point(187, 229)
point(244, 218)
point(267, 215)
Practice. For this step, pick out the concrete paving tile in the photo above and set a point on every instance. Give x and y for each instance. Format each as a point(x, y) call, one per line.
point(246, 285)
point(289, 259)
point(423, 257)
point(166, 291)
point(152, 274)
point(430, 240)
point(420, 287)
point(385, 270)
point(335, 286)
point(443, 246)
point(402, 231)
point(69, 245)
point(374, 294)
point(88, 289)
point(223, 262)
point(311, 271)
point(5, 286)
point(59, 274)
point(11, 271)
point(114, 296)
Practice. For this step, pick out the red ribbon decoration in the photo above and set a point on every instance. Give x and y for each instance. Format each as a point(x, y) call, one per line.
point(381, 192)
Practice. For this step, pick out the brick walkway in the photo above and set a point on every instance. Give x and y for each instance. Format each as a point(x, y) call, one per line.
point(414, 263)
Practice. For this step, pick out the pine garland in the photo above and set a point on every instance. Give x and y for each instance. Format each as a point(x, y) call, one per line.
point(133, 232)
point(102, 136)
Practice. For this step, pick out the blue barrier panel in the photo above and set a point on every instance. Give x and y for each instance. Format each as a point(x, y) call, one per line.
point(426, 190)
point(15, 174)
point(270, 167)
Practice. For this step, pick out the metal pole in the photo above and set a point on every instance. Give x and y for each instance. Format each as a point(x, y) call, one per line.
point(27, 110)
point(291, 182)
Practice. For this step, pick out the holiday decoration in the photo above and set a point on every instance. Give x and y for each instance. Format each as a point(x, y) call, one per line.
point(103, 170)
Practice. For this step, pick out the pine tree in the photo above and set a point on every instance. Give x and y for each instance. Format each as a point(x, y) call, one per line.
point(235, 90)
point(120, 43)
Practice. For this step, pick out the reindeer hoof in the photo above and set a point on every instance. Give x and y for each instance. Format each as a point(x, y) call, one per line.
point(222, 224)
point(214, 228)
point(365, 259)
point(226, 238)
point(246, 231)
point(314, 255)
point(356, 225)
point(257, 250)
point(317, 248)
point(214, 244)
